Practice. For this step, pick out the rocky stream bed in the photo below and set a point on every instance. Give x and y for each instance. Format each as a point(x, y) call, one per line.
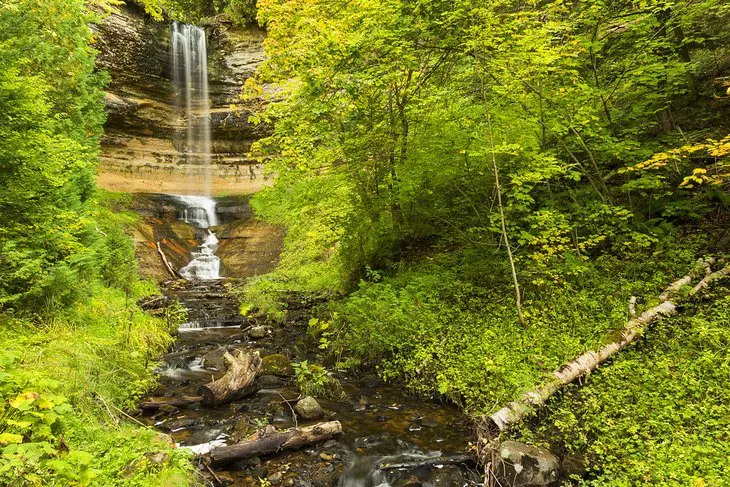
point(380, 422)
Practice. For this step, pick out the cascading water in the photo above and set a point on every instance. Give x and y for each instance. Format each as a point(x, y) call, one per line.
point(190, 76)
point(200, 212)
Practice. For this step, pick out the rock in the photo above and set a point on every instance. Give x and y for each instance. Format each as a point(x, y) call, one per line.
point(326, 457)
point(225, 478)
point(269, 381)
point(452, 476)
point(276, 364)
point(258, 332)
point(214, 359)
point(177, 424)
point(412, 481)
point(275, 477)
point(309, 409)
point(163, 439)
point(157, 457)
point(526, 466)
point(168, 408)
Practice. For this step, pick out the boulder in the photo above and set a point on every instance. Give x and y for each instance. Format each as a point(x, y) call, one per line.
point(309, 409)
point(526, 466)
point(258, 332)
point(276, 364)
point(269, 381)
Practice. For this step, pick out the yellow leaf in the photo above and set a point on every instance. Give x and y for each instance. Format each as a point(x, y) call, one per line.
point(8, 438)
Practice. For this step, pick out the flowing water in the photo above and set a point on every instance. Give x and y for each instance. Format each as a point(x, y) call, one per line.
point(190, 77)
point(200, 211)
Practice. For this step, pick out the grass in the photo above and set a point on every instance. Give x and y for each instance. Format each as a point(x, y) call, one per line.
point(80, 370)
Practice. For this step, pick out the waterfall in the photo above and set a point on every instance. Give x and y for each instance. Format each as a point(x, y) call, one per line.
point(190, 77)
point(199, 211)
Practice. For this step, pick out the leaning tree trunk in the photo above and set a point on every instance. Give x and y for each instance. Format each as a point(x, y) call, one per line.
point(589, 361)
point(287, 440)
point(237, 382)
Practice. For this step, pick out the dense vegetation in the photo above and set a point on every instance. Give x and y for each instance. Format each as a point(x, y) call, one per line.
point(74, 347)
point(485, 184)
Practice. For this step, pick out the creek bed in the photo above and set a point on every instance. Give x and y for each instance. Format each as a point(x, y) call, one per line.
point(380, 422)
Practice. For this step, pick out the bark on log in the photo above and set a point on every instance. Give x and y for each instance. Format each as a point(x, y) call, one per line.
point(709, 279)
point(430, 462)
point(237, 382)
point(287, 440)
point(178, 402)
point(702, 267)
point(589, 361)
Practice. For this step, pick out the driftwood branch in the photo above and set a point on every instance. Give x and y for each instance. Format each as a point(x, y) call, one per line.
point(169, 267)
point(590, 360)
point(238, 381)
point(287, 440)
point(463, 459)
point(178, 402)
point(702, 267)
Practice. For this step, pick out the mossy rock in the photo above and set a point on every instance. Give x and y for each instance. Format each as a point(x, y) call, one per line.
point(277, 364)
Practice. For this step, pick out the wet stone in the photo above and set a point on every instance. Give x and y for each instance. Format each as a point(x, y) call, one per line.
point(309, 409)
point(258, 332)
point(526, 465)
point(269, 381)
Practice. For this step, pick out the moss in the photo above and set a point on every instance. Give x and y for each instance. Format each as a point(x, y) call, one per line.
point(277, 364)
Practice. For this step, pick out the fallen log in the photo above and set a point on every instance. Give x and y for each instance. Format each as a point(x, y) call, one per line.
point(178, 402)
point(237, 382)
point(153, 303)
point(169, 267)
point(591, 360)
point(437, 462)
point(287, 440)
point(702, 267)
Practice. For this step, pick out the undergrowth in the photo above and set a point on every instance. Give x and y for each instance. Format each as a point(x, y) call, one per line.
point(67, 373)
point(660, 413)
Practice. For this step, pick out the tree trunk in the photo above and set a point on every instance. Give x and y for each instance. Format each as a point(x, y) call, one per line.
point(287, 440)
point(589, 361)
point(237, 382)
point(178, 402)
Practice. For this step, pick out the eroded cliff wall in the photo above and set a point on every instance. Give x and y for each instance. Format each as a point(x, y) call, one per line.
point(142, 149)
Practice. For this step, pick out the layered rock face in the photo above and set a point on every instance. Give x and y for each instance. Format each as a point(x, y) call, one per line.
point(143, 149)
point(247, 247)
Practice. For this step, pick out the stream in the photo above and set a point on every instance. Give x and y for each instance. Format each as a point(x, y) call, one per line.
point(380, 422)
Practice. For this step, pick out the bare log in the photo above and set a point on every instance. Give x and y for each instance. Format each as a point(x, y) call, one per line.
point(709, 279)
point(462, 459)
point(589, 361)
point(237, 382)
point(169, 267)
point(702, 267)
point(178, 402)
point(287, 440)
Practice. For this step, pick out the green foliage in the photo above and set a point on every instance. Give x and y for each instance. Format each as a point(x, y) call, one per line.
point(448, 327)
point(313, 380)
point(62, 385)
point(51, 113)
point(659, 414)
